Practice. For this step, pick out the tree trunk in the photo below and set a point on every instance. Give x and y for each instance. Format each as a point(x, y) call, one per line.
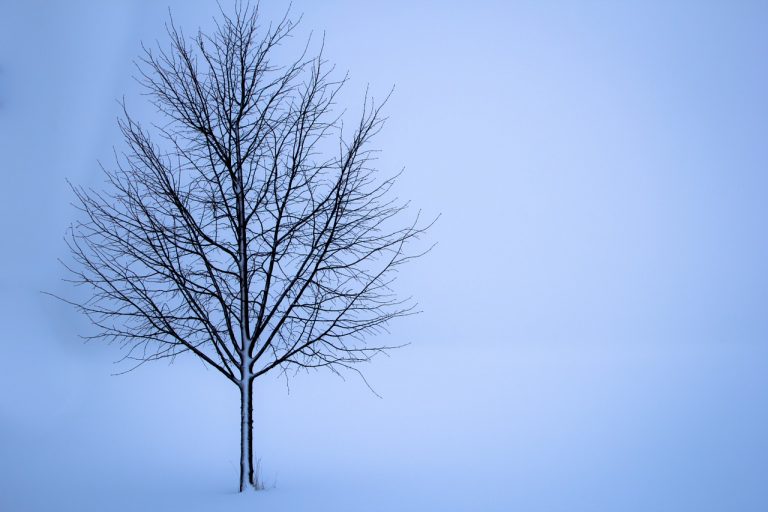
point(247, 477)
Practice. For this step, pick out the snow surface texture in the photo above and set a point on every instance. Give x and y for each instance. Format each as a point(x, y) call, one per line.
point(594, 335)
point(534, 428)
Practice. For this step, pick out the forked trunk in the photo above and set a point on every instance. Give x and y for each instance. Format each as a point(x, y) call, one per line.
point(247, 475)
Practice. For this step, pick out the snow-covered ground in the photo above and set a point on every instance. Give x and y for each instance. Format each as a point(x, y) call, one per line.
point(513, 426)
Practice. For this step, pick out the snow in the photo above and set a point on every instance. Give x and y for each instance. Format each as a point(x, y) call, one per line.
point(542, 427)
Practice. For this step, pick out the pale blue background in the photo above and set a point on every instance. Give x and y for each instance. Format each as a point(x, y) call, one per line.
point(594, 335)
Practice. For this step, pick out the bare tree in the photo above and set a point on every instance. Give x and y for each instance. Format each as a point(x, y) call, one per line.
point(250, 229)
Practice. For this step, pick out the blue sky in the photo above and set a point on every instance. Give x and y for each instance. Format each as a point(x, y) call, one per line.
point(594, 334)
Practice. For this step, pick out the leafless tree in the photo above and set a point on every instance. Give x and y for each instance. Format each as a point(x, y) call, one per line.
point(250, 229)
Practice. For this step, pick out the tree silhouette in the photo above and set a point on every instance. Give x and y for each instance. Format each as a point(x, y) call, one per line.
point(250, 229)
